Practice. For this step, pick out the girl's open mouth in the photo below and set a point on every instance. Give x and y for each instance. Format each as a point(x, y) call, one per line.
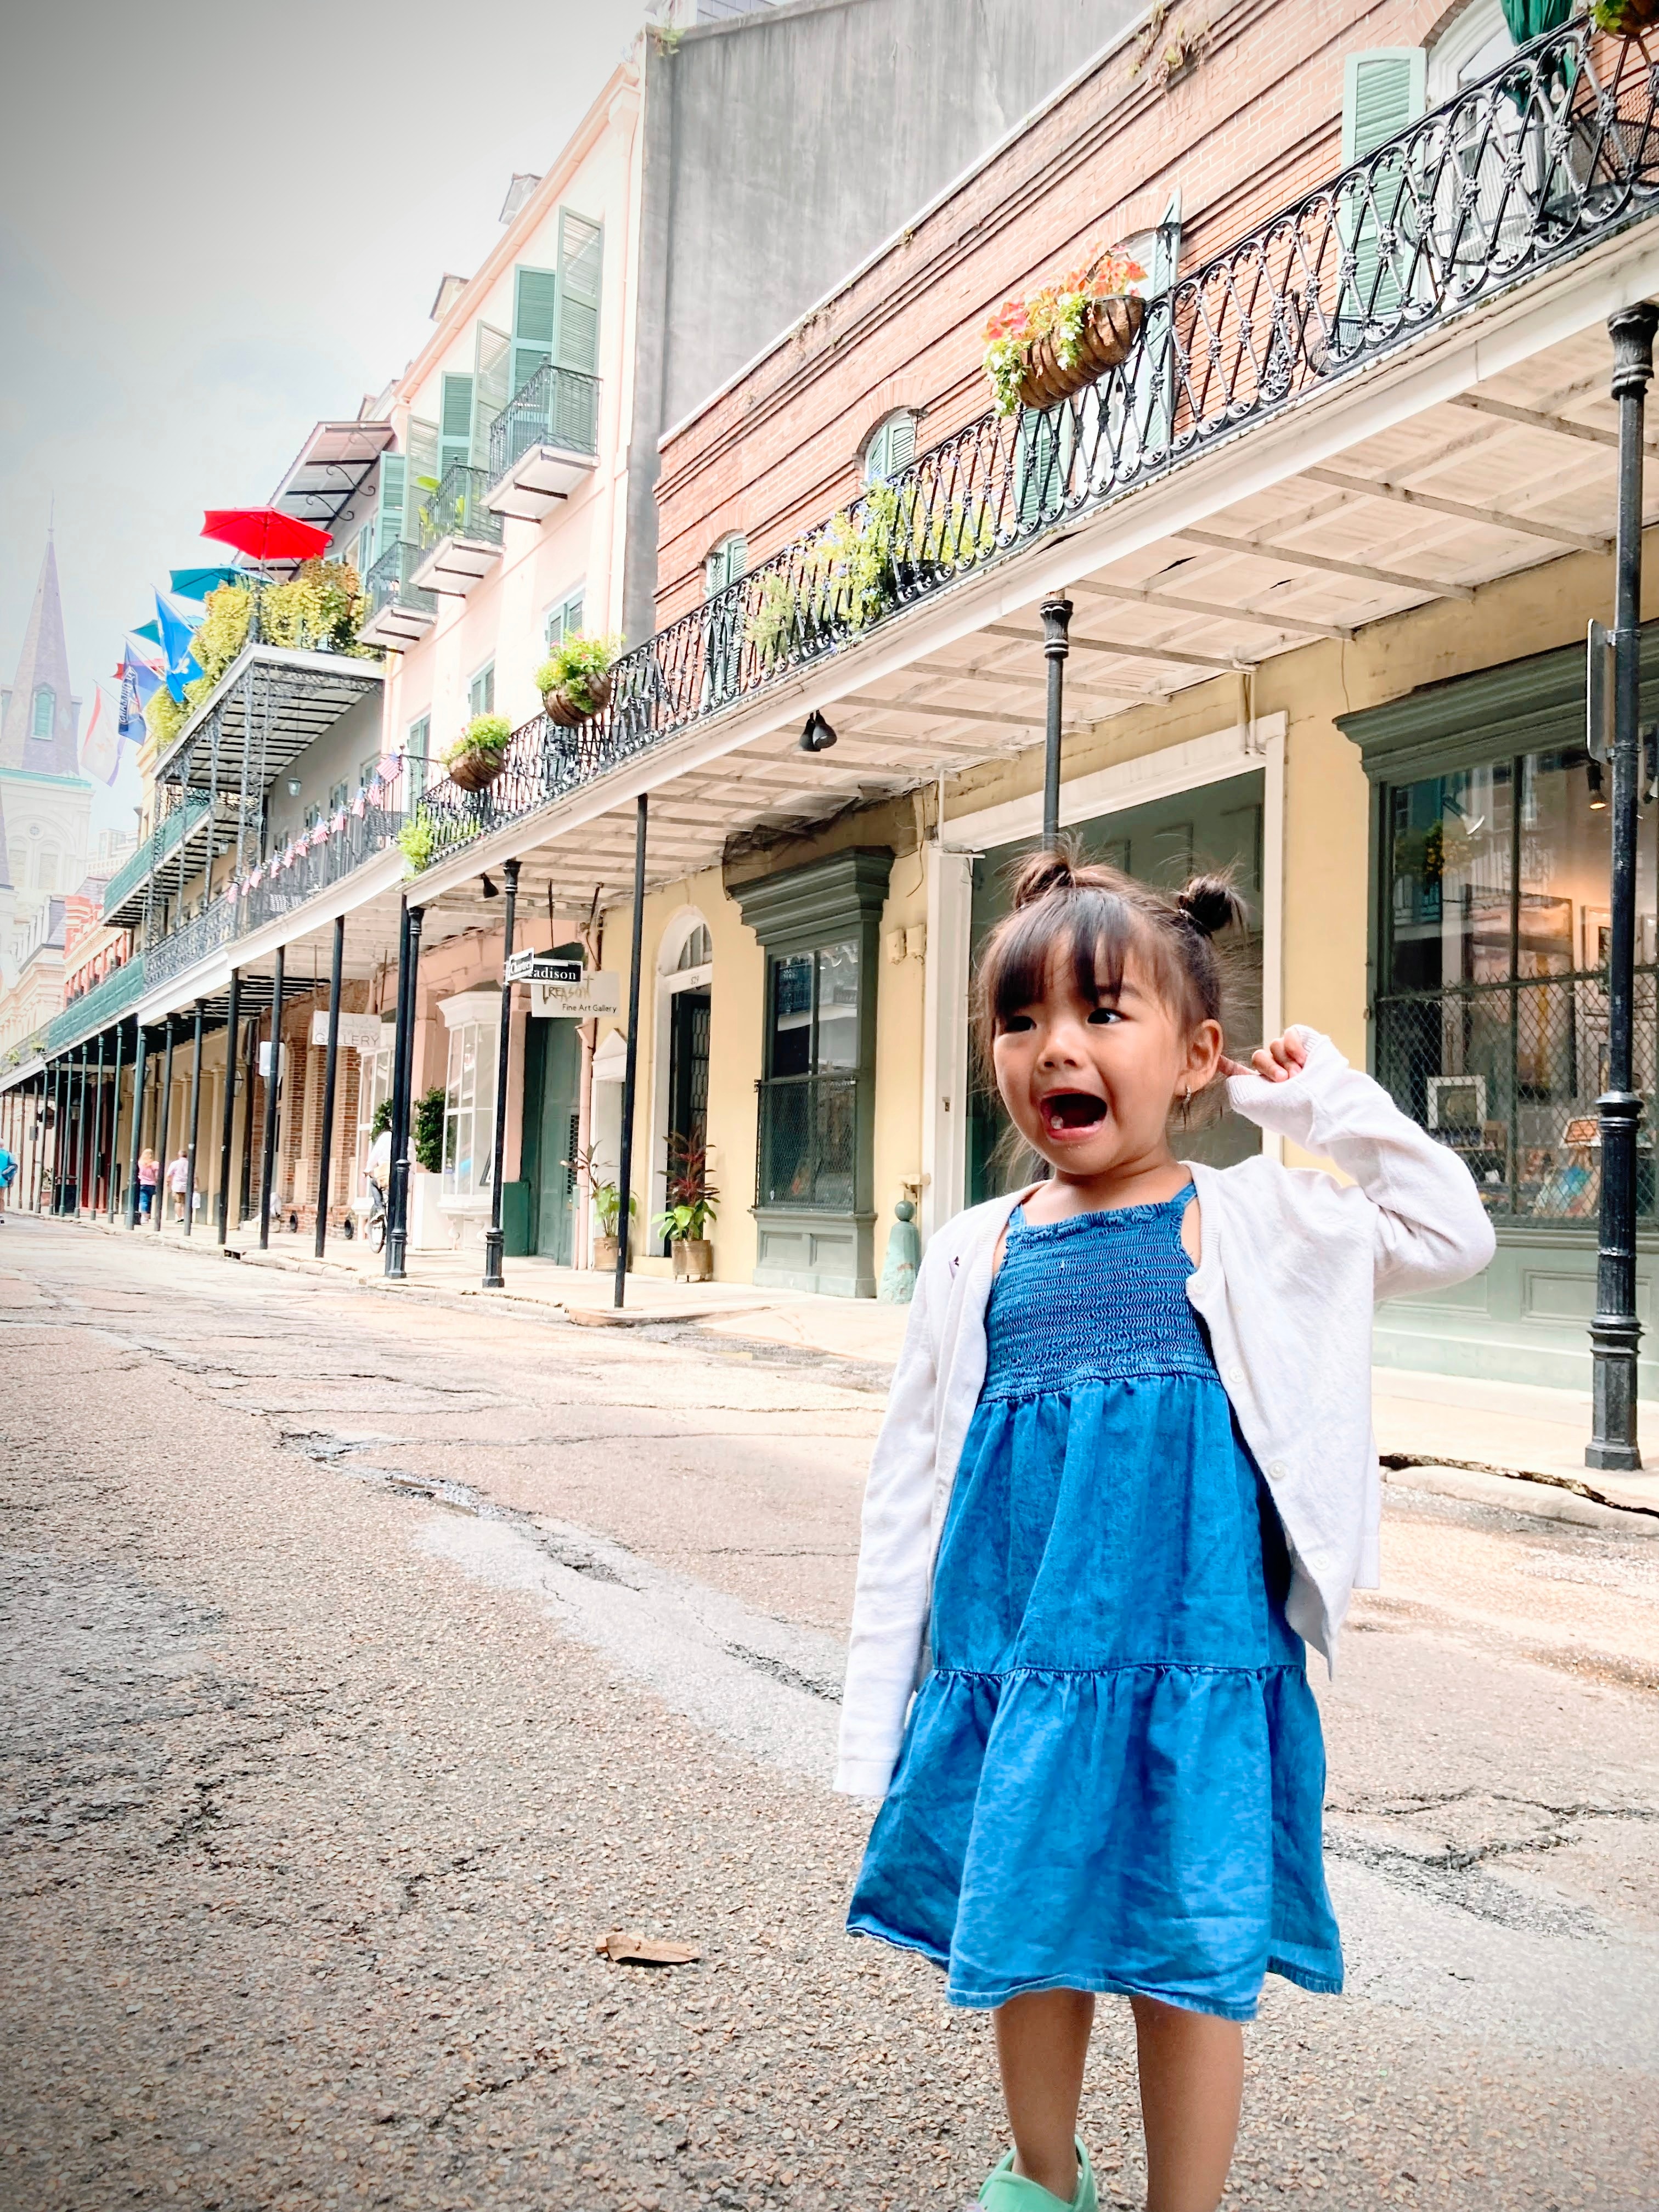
point(1070, 1113)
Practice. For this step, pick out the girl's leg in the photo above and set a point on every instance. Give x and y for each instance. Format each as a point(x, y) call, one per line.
point(1192, 2082)
point(1042, 2041)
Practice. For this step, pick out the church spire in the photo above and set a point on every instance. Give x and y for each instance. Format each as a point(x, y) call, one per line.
point(38, 732)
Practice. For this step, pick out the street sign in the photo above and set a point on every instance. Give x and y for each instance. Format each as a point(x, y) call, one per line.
point(579, 1002)
point(358, 1032)
point(542, 968)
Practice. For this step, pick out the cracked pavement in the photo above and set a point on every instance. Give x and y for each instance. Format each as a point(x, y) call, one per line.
point(364, 1661)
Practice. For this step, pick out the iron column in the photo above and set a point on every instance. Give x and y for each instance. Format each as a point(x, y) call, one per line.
point(80, 1137)
point(396, 1233)
point(250, 1069)
point(164, 1116)
point(492, 1273)
point(1056, 644)
point(115, 1122)
point(97, 1129)
point(1615, 1333)
point(195, 1119)
point(140, 1075)
point(326, 1164)
point(630, 1067)
point(272, 1078)
point(227, 1124)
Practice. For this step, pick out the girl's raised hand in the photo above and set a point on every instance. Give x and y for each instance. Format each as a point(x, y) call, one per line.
point(1277, 1062)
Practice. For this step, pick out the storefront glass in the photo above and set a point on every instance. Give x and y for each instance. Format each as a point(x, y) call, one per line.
point(468, 1109)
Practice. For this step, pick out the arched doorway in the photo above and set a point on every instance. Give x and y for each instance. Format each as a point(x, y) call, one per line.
point(685, 976)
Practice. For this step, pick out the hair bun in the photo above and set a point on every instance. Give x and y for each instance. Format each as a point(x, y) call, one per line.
point(1210, 904)
point(1043, 873)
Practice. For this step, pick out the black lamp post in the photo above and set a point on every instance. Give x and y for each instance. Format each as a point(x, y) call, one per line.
point(493, 1279)
point(1615, 1333)
point(1056, 644)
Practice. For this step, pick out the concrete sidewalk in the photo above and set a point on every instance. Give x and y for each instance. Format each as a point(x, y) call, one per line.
point(1497, 1443)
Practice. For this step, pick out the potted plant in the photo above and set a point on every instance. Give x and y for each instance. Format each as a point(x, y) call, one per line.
point(692, 1200)
point(429, 1130)
point(1624, 19)
point(575, 680)
point(1041, 350)
point(607, 1205)
point(416, 840)
point(477, 756)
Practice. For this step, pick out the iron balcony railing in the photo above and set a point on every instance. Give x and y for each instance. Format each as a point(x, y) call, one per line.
point(162, 840)
point(457, 509)
point(554, 407)
point(1551, 153)
point(111, 997)
point(195, 940)
point(389, 582)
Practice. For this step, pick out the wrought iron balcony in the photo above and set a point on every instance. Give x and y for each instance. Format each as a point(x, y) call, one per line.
point(112, 996)
point(1520, 173)
point(460, 538)
point(544, 442)
point(400, 611)
point(124, 893)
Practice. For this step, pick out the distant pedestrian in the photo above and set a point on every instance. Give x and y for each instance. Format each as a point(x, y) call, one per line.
point(149, 1174)
point(7, 1178)
point(1127, 1467)
point(178, 1183)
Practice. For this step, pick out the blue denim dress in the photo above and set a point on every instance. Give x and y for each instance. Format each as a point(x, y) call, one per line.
point(1113, 1778)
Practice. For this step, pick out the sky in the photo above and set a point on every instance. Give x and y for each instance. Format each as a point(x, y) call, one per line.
point(217, 226)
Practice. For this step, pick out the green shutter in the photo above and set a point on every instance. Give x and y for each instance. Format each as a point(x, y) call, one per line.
point(581, 245)
point(393, 495)
point(455, 423)
point(892, 448)
point(490, 392)
point(423, 445)
point(1384, 92)
point(726, 564)
point(535, 315)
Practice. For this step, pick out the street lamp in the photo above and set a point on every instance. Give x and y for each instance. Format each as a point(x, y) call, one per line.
point(1615, 1333)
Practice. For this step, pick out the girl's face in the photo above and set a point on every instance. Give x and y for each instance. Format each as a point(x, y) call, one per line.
point(1090, 1087)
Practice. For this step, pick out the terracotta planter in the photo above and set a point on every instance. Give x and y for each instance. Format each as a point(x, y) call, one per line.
point(563, 710)
point(694, 1260)
point(1625, 19)
point(605, 1254)
point(476, 771)
point(1110, 329)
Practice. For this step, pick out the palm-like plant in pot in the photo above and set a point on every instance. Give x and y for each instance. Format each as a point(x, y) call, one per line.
point(692, 1204)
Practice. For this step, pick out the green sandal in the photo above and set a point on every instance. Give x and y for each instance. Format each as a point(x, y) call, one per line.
point(1005, 2191)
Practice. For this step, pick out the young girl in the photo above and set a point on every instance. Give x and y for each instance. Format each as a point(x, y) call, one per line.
point(1126, 1468)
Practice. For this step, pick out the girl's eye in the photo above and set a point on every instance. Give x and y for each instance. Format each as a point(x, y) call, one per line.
point(1014, 1022)
point(1104, 1014)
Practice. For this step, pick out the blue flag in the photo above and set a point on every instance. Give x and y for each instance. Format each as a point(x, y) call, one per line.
point(178, 620)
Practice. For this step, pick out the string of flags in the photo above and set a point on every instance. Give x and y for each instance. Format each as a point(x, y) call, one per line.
point(375, 794)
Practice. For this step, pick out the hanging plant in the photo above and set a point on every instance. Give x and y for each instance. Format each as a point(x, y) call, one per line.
point(477, 756)
point(1039, 352)
point(1624, 19)
point(575, 680)
point(429, 1130)
point(417, 840)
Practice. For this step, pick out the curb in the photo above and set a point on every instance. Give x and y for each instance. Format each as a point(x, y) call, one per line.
point(1512, 1490)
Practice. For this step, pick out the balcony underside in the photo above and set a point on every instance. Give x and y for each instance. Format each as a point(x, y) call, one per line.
point(395, 627)
point(1409, 488)
point(455, 564)
point(538, 480)
point(272, 703)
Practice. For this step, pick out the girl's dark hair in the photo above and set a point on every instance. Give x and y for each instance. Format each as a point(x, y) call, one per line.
point(1097, 916)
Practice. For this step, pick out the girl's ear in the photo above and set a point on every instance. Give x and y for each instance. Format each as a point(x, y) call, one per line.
point(1203, 1055)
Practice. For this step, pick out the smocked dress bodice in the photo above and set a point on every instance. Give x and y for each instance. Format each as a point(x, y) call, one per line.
point(1112, 1777)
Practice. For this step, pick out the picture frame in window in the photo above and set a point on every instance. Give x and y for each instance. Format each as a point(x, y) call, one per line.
point(1596, 940)
point(1455, 1102)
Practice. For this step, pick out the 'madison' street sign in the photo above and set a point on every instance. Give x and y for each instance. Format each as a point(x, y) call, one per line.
point(544, 968)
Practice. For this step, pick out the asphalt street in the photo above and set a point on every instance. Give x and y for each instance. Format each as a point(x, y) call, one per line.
point(366, 1659)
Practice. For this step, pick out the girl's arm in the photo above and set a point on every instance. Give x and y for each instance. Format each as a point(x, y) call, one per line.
point(1429, 1227)
point(889, 1605)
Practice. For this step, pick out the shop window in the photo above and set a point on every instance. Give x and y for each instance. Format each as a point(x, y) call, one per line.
point(1492, 1013)
point(809, 1118)
point(469, 1109)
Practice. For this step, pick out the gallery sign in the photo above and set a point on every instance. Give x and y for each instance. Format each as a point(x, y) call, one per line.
point(358, 1032)
point(580, 1001)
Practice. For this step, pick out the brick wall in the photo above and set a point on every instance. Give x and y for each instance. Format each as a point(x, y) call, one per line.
point(1256, 125)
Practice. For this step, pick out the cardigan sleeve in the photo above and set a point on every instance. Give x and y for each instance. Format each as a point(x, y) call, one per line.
point(889, 1604)
point(1428, 1226)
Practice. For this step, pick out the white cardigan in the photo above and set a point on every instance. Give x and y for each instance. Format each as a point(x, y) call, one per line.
point(1292, 1263)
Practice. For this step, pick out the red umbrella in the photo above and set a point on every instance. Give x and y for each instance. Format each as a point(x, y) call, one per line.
point(265, 534)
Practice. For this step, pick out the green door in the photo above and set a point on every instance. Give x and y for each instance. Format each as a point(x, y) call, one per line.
point(552, 1084)
point(1218, 825)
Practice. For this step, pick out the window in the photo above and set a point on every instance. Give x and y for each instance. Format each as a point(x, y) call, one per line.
point(892, 447)
point(313, 816)
point(564, 620)
point(469, 1109)
point(697, 951)
point(480, 691)
point(339, 796)
point(726, 564)
point(724, 626)
point(1475, 43)
point(809, 1117)
point(1492, 1013)
point(45, 711)
point(419, 741)
point(1382, 93)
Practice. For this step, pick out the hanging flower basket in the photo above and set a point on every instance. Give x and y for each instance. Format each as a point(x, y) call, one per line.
point(564, 709)
point(479, 754)
point(1625, 19)
point(1041, 350)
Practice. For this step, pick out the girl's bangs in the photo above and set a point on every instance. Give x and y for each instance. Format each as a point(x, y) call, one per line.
point(1096, 924)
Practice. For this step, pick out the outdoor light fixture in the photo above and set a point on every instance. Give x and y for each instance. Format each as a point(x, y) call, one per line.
point(293, 786)
point(817, 737)
point(1598, 797)
point(490, 890)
